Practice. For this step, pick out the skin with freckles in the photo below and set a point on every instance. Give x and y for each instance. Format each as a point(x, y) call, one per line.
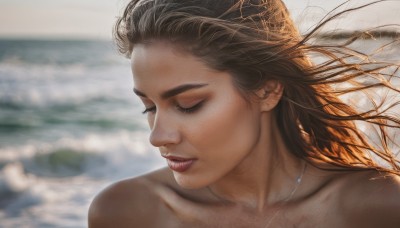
point(242, 171)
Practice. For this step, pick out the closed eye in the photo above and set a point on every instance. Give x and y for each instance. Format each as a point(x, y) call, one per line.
point(150, 109)
point(191, 109)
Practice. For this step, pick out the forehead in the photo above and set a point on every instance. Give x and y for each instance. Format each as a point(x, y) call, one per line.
point(160, 65)
point(158, 57)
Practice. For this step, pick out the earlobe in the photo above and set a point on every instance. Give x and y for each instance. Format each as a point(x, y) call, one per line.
point(270, 95)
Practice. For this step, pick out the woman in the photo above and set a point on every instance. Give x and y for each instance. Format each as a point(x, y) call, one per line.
point(253, 132)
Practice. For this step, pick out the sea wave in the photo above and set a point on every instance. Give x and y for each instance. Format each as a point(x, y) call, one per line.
point(62, 162)
point(30, 173)
point(58, 53)
point(98, 113)
point(69, 125)
point(75, 156)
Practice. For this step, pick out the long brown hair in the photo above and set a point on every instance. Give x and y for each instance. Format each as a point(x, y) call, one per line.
point(256, 41)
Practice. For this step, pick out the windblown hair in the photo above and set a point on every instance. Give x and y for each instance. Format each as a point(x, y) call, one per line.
point(256, 41)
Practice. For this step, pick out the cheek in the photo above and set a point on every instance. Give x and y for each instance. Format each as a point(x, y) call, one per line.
point(230, 128)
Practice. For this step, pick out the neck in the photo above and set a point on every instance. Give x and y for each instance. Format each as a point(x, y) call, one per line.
point(267, 176)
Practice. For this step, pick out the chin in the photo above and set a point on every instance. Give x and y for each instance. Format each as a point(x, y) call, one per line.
point(190, 181)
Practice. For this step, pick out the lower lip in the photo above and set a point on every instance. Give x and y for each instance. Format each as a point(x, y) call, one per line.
point(180, 166)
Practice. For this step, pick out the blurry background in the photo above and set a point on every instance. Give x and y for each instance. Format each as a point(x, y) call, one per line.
point(69, 122)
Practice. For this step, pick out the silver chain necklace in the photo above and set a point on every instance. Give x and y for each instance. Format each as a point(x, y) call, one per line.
point(297, 184)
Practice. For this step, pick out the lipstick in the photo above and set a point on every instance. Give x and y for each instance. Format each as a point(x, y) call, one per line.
point(179, 164)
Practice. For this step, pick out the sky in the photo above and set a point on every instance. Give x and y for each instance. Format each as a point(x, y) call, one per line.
point(94, 18)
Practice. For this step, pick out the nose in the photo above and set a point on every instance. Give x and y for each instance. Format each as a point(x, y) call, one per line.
point(163, 132)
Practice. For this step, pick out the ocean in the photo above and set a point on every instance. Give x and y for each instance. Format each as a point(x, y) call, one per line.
point(69, 126)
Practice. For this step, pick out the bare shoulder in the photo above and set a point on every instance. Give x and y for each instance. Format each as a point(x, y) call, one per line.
point(129, 203)
point(370, 199)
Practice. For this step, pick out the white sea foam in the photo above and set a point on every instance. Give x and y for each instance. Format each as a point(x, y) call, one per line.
point(125, 153)
point(13, 180)
point(46, 85)
point(68, 127)
point(124, 143)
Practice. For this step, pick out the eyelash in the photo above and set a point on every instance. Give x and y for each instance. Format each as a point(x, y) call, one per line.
point(151, 109)
point(192, 109)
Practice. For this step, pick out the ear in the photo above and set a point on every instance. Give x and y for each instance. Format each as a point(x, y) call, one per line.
point(270, 95)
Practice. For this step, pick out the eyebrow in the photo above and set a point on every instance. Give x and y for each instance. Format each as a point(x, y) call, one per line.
point(174, 91)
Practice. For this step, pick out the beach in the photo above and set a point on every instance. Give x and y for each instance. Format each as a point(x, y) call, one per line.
point(70, 125)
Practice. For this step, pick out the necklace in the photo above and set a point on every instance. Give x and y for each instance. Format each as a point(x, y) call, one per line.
point(296, 186)
point(289, 197)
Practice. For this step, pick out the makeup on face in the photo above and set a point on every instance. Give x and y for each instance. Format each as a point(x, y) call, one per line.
point(185, 98)
point(198, 119)
point(179, 164)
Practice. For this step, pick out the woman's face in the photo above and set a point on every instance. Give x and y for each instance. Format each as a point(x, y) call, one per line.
point(198, 119)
